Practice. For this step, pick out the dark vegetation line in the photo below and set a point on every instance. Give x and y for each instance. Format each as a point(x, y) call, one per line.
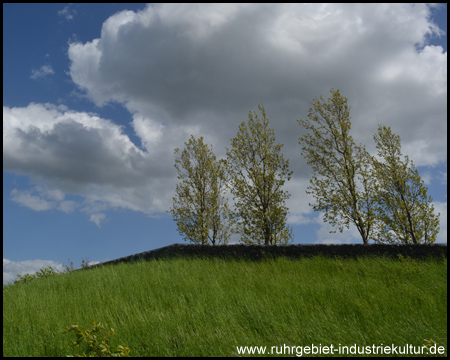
point(297, 251)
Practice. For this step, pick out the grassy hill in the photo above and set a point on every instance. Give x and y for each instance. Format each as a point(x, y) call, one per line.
point(209, 307)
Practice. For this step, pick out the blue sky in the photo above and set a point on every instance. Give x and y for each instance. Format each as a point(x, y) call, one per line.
point(97, 96)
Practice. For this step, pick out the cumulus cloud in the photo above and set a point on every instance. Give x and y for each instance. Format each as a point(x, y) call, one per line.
point(33, 202)
point(183, 69)
point(83, 154)
point(39, 200)
point(13, 268)
point(210, 67)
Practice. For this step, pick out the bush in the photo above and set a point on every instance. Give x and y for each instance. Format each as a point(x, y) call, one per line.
point(42, 273)
point(95, 341)
point(48, 272)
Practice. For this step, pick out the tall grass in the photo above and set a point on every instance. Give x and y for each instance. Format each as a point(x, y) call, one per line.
point(208, 307)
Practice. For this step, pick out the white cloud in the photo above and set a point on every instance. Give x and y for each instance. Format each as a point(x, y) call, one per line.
point(43, 72)
point(325, 236)
point(167, 65)
point(149, 131)
point(352, 235)
point(443, 176)
point(56, 195)
point(31, 201)
point(183, 69)
point(97, 219)
point(67, 12)
point(67, 206)
point(426, 177)
point(80, 153)
point(441, 207)
point(39, 199)
point(298, 203)
point(12, 268)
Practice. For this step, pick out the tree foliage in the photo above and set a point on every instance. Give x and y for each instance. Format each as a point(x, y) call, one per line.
point(382, 196)
point(402, 202)
point(200, 207)
point(341, 184)
point(258, 172)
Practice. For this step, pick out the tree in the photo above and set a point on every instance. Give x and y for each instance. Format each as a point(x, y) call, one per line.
point(258, 171)
point(341, 184)
point(200, 207)
point(402, 202)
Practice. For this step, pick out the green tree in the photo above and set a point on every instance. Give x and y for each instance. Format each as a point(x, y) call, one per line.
point(341, 183)
point(402, 202)
point(200, 207)
point(258, 171)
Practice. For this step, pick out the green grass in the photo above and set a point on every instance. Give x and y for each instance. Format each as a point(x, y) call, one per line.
point(208, 307)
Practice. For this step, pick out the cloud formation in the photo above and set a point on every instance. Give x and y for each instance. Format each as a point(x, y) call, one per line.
point(13, 268)
point(81, 154)
point(67, 12)
point(43, 72)
point(43, 200)
point(206, 65)
point(183, 69)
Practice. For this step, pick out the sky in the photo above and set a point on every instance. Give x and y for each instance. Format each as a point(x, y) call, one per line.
point(96, 97)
